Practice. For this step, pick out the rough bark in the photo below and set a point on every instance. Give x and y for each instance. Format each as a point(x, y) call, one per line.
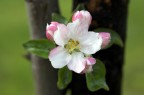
point(109, 14)
point(44, 75)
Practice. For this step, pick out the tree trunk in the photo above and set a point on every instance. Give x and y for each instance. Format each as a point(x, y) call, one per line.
point(45, 76)
point(109, 14)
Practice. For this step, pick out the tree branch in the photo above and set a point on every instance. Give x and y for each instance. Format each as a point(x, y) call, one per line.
point(109, 14)
point(39, 12)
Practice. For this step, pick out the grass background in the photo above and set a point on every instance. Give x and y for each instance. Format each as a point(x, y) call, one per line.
point(15, 72)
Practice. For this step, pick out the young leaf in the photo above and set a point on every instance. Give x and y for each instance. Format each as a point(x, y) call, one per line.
point(68, 92)
point(96, 79)
point(59, 18)
point(39, 47)
point(64, 77)
point(80, 7)
point(115, 38)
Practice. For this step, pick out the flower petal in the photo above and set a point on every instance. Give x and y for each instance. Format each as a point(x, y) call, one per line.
point(60, 36)
point(91, 61)
point(90, 43)
point(84, 17)
point(105, 38)
point(49, 35)
point(76, 28)
point(88, 69)
point(77, 63)
point(59, 57)
point(50, 29)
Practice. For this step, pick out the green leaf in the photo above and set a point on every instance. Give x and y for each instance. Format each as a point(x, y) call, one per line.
point(59, 18)
point(80, 7)
point(64, 77)
point(96, 79)
point(68, 92)
point(115, 38)
point(40, 48)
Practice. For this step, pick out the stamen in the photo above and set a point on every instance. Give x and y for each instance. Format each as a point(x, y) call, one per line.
point(72, 45)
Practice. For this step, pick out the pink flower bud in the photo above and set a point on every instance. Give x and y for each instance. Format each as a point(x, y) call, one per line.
point(50, 29)
point(83, 16)
point(91, 61)
point(105, 38)
point(88, 66)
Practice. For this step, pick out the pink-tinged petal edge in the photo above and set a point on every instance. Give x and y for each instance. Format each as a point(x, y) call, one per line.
point(61, 35)
point(49, 36)
point(105, 38)
point(83, 16)
point(91, 61)
point(50, 29)
point(77, 15)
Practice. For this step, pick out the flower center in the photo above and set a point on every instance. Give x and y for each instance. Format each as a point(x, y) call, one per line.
point(72, 45)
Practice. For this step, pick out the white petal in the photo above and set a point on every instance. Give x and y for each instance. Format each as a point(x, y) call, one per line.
point(90, 43)
point(84, 18)
point(73, 26)
point(60, 36)
point(59, 57)
point(77, 63)
point(76, 28)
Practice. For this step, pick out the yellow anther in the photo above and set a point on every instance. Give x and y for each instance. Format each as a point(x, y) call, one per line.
point(72, 45)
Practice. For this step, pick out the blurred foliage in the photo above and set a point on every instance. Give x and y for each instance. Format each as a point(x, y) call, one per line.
point(15, 72)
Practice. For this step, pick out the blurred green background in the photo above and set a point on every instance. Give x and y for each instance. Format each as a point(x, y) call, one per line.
point(15, 72)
